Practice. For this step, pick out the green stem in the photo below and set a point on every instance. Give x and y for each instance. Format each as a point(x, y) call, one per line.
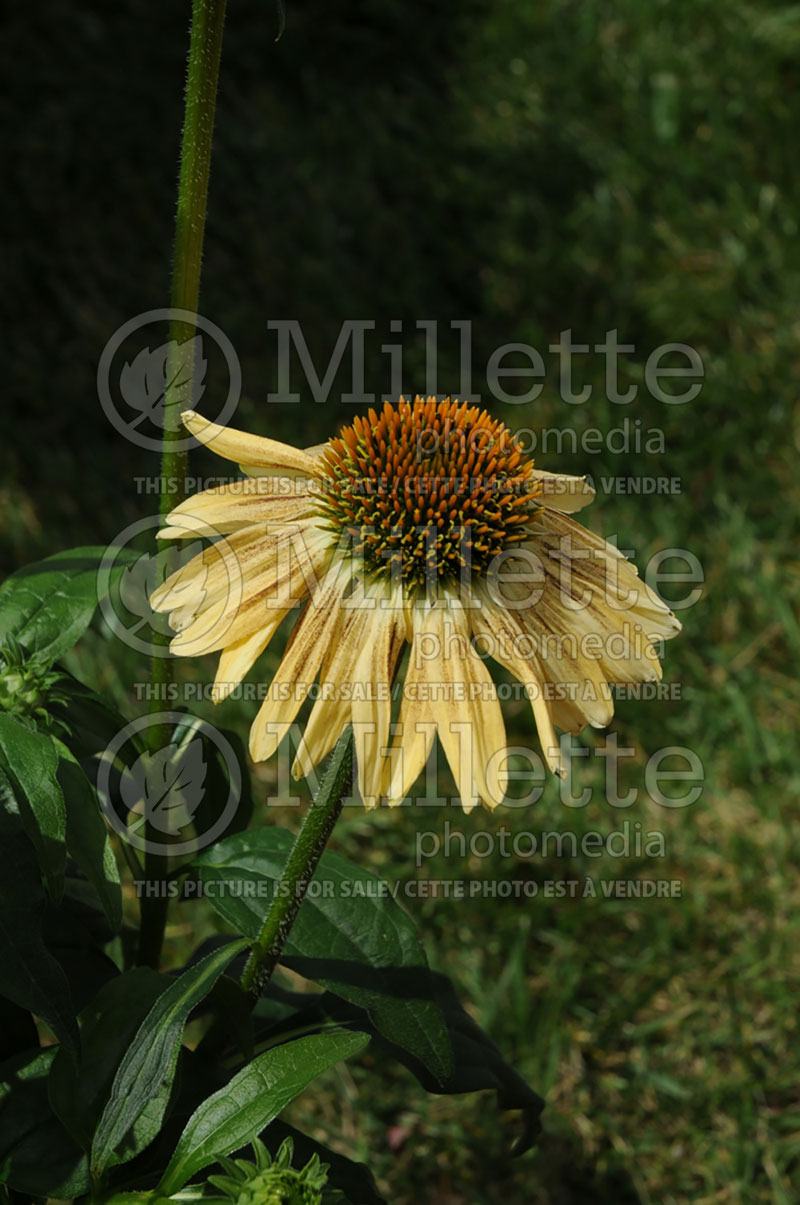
point(205, 49)
point(299, 870)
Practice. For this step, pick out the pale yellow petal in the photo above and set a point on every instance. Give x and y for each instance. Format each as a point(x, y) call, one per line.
point(330, 714)
point(246, 589)
point(237, 658)
point(318, 625)
point(229, 508)
point(255, 454)
point(355, 688)
point(471, 728)
point(449, 687)
point(372, 705)
point(562, 491)
point(503, 638)
point(590, 622)
point(214, 565)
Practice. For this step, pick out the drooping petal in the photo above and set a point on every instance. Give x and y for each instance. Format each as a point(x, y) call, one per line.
point(449, 690)
point(372, 702)
point(320, 623)
point(241, 585)
point(587, 621)
point(504, 639)
point(563, 492)
point(228, 508)
point(255, 455)
point(416, 729)
point(355, 688)
point(330, 714)
point(239, 657)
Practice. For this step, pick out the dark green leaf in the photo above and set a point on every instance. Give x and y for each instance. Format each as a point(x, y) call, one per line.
point(252, 1099)
point(76, 933)
point(142, 1085)
point(91, 722)
point(79, 1088)
point(215, 798)
point(31, 761)
point(18, 1030)
point(353, 936)
point(31, 977)
point(77, 919)
point(87, 970)
point(87, 836)
point(478, 1064)
point(37, 1155)
point(48, 605)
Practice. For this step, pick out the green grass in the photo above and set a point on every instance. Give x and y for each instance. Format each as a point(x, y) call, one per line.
point(531, 168)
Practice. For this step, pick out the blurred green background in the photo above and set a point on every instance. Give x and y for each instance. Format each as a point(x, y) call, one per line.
point(530, 168)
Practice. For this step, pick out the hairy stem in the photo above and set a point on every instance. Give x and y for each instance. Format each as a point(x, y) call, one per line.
point(299, 870)
point(205, 48)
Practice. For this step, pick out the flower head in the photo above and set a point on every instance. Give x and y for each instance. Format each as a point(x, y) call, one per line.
point(423, 526)
point(29, 686)
point(269, 1181)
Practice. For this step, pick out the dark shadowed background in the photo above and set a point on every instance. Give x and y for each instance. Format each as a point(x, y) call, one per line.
point(529, 168)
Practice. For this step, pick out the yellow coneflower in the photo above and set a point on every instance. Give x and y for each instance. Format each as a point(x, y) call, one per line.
point(422, 525)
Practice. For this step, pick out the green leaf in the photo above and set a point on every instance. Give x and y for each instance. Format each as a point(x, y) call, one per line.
point(48, 605)
point(37, 1155)
point(80, 1087)
point(31, 761)
point(91, 722)
point(353, 936)
point(477, 1063)
point(142, 1085)
point(31, 976)
point(17, 1029)
point(87, 837)
point(252, 1099)
point(215, 798)
point(76, 932)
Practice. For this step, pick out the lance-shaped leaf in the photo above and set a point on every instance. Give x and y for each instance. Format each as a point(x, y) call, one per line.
point(80, 1087)
point(352, 935)
point(48, 605)
point(87, 836)
point(140, 1093)
point(89, 722)
point(37, 1155)
point(31, 977)
point(477, 1063)
point(30, 760)
point(252, 1099)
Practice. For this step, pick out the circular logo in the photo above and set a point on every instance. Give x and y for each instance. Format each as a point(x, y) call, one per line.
point(171, 791)
point(135, 373)
point(206, 596)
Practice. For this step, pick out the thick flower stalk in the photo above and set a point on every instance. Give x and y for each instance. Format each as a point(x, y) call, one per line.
point(422, 527)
